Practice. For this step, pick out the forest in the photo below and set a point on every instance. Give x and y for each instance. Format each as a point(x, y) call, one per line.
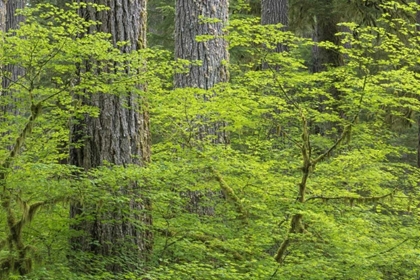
point(210, 139)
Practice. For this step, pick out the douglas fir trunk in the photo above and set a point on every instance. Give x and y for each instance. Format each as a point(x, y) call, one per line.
point(120, 136)
point(190, 21)
point(194, 18)
point(274, 12)
point(9, 20)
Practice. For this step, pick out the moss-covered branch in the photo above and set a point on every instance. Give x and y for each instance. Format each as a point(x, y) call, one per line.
point(230, 194)
point(306, 158)
point(308, 164)
point(20, 140)
point(296, 225)
point(21, 262)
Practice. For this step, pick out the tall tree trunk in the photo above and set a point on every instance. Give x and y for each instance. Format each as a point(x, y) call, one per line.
point(119, 135)
point(2, 15)
point(8, 21)
point(325, 30)
point(212, 53)
point(190, 22)
point(13, 20)
point(274, 12)
point(418, 117)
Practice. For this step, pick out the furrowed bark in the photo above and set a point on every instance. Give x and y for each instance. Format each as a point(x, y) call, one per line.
point(119, 135)
point(195, 18)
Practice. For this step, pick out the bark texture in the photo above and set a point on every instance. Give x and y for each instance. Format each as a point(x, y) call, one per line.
point(418, 117)
point(9, 20)
point(189, 23)
point(119, 135)
point(325, 30)
point(195, 18)
point(2, 15)
point(13, 20)
point(192, 20)
point(274, 12)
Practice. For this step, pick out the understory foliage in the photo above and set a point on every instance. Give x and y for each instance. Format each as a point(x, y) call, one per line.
point(318, 180)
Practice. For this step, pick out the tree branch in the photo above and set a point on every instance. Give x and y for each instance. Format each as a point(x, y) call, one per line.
point(35, 112)
point(343, 136)
point(353, 199)
point(229, 192)
point(389, 249)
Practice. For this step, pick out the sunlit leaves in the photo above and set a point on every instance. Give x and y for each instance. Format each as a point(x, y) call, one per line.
point(358, 195)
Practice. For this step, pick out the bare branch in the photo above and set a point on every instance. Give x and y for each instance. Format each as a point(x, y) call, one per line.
point(343, 136)
point(353, 199)
point(389, 249)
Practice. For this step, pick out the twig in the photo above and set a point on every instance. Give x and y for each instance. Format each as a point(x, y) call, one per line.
point(229, 192)
point(352, 198)
point(389, 249)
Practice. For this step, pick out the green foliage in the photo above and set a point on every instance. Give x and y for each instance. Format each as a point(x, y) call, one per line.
point(318, 180)
point(357, 211)
point(36, 187)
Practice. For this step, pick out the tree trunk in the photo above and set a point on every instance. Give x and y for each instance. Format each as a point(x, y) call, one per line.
point(190, 22)
point(325, 29)
point(418, 117)
point(9, 20)
point(119, 135)
point(212, 53)
point(274, 12)
point(13, 20)
point(2, 15)
point(190, 17)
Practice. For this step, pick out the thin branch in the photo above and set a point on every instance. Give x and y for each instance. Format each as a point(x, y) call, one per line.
point(56, 93)
point(275, 272)
point(286, 95)
point(229, 192)
point(35, 112)
point(291, 139)
point(339, 140)
point(389, 249)
point(352, 198)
